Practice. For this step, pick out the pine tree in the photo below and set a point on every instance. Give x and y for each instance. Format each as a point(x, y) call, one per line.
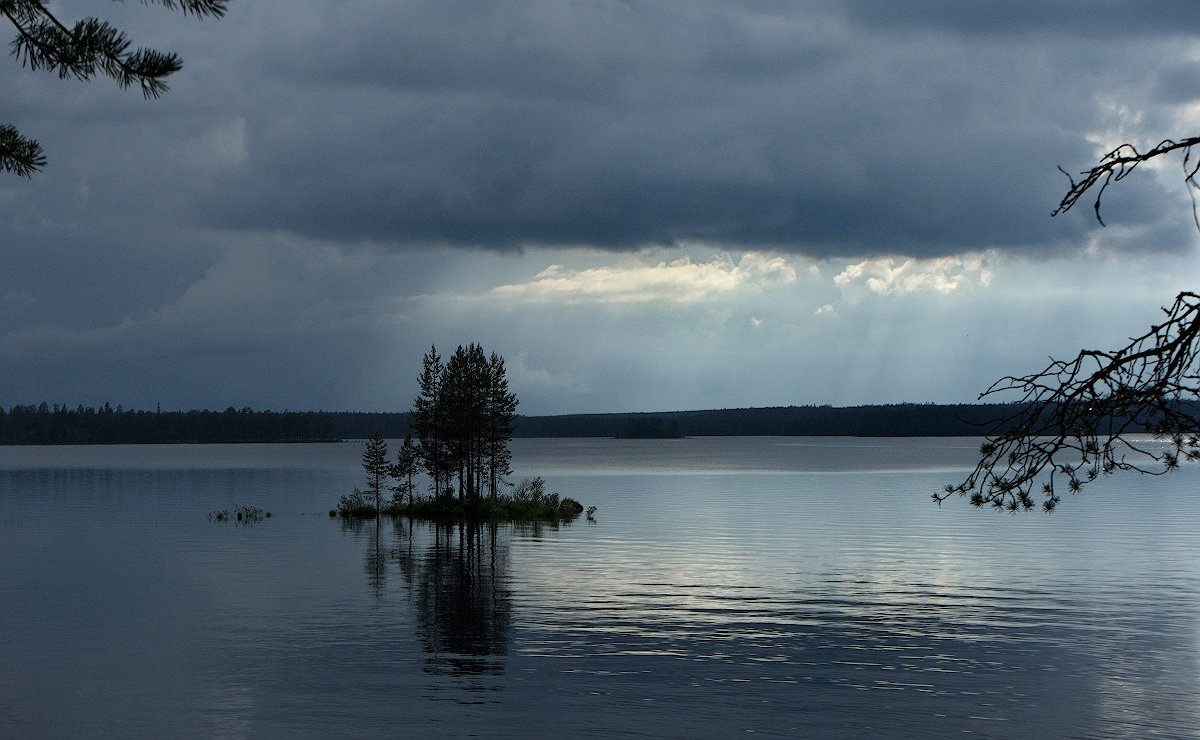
point(428, 422)
point(408, 460)
point(501, 418)
point(375, 463)
point(464, 419)
point(464, 395)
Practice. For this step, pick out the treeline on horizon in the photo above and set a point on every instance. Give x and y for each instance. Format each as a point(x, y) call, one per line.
point(58, 424)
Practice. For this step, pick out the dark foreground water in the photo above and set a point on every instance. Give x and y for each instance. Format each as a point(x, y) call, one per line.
point(788, 587)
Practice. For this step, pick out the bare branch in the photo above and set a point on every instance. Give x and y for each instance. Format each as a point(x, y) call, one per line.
point(1118, 163)
point(1078, 417)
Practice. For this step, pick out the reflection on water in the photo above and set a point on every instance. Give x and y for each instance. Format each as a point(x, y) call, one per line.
point(455, 576)
point(729, 587)
point(463, 611)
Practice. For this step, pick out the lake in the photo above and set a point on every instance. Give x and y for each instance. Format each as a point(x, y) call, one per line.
point(728, 586)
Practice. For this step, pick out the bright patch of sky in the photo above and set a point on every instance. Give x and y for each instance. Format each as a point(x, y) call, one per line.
point(681, 280)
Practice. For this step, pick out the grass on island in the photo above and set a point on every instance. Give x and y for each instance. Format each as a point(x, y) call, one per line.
point(529, 502)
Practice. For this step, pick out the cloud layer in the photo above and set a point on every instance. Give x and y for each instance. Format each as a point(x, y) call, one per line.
point(819, 128)
point(663, 204)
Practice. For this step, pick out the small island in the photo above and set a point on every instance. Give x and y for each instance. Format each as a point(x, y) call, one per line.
point(463, 419)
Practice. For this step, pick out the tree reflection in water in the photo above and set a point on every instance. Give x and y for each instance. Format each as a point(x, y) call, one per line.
point(456, 578)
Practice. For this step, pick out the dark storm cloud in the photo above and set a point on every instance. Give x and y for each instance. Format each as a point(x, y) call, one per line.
point(823, 128)
point(1098, 19)
point(814, 128)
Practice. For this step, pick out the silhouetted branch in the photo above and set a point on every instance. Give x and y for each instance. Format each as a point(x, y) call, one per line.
point(1078, 416)
point(1118, 163)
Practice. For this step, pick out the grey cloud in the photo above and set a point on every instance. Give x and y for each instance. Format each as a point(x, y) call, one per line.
point(621, 125)
point(827, 128)
point(1178, 81)
point(1053, 18)
point(819, 128)
point(543, 49)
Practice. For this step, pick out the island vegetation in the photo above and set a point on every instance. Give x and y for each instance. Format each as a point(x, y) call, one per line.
point(463, 421)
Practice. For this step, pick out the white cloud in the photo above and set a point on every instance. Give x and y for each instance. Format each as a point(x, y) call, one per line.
point(888, 276)
point(680, 280)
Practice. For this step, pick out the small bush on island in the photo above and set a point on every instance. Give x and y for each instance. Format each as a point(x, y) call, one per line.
point(357, 505)
point(529, 502)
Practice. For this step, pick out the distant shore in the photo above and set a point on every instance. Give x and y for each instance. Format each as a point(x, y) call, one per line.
point(46, 425)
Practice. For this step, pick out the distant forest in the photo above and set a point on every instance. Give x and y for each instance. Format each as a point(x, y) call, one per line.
point(58, 424)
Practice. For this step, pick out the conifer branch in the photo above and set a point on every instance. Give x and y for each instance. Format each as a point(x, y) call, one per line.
point(89, 48)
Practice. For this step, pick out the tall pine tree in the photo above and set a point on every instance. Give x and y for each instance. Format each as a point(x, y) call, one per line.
point(501, 422)
point(428, 423)
point(408, 460)
point(464, 393)
point(375, 463)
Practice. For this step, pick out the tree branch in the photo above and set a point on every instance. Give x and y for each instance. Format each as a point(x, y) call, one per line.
point(1077, 416)
point(1118, 163)
point(90, 47)
point(18, 154)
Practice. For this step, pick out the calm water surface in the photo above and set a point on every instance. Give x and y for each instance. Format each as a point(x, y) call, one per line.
point(788, 587)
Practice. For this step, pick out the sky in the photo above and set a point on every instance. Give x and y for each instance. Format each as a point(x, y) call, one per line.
point(642, 206)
